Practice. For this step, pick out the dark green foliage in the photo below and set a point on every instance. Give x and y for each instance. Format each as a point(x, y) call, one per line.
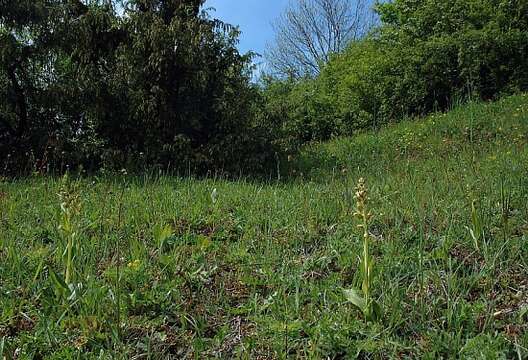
point(425, 56)
point(157, 83)
point(163, 85)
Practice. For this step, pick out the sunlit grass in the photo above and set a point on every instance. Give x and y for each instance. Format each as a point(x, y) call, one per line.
point(244, 269)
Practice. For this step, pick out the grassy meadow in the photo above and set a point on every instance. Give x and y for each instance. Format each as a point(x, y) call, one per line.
point(162, 267)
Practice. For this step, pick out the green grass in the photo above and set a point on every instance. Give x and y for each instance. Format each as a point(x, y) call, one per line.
point(161, 270)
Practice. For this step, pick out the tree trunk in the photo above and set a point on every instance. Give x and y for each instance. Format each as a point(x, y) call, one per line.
point(21, 104)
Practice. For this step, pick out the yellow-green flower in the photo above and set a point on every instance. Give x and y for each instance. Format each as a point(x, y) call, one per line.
point(134, 265)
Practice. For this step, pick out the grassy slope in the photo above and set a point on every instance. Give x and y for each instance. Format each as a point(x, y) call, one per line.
point(259, 273)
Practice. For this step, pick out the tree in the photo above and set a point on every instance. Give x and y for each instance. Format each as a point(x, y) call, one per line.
point(424, 57)
point(310, 31)
point(185, 81)
point(52, 54)
point(116, 83)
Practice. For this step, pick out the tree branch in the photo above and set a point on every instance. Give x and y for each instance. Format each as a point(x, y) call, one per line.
point(311, 30)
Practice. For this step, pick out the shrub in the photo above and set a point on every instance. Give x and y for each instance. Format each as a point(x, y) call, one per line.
point(163, 86)
point(424, 56)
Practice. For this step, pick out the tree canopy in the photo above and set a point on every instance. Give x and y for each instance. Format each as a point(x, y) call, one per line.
point(159, 83)
point(110, 83)
point(424, 56)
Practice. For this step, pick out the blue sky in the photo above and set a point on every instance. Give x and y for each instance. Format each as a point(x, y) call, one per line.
point(254, 18)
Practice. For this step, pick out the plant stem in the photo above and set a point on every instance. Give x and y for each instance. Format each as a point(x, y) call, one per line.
point(69, 249)
point(118, 270)
point(366, 259)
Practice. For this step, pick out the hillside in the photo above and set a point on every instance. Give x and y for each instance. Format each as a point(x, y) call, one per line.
point(164, 266)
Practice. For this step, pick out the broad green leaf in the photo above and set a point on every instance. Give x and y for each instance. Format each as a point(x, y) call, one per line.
point(161, 234)
point(355, 297)
point(376, 311)
point(204, 242)
point(365, 285)
point(58, 281)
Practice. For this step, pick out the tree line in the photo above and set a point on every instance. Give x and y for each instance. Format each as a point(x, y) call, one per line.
point(124, 84)
point(420, 57)
point(160, 83)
